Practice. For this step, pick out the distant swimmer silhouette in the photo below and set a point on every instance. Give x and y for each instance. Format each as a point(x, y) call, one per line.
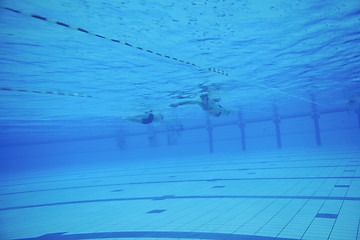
point(208, 104)
point(353, 106)
point(146, 118)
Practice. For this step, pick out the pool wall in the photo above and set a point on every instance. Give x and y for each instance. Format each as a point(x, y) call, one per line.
point(338, 129)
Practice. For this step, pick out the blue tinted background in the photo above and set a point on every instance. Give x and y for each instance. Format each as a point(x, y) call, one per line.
point(71, 167)
point(288, 56)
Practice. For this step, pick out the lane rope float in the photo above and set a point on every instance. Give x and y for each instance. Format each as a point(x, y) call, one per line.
point(46, 92)
point(215, 70)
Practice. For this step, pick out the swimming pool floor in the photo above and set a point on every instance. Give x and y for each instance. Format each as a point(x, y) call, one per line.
point(312, 194)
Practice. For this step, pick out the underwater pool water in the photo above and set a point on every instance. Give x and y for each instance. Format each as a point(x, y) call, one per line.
point(271, 153)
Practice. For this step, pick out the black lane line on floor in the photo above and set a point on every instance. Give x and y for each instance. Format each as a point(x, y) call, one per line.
point(357, 232)
point(172, 197)
point(342, 186)
point(304, 158)
point(340, 209)
point(178, 181)
point(326, 215)
point(117, 190)
point(192, 166)
point(183, 172)
point(157, 211)
point(200, 165)
point(152, 234)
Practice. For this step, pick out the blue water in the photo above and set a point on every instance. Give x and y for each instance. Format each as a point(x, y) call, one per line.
point(282, 165)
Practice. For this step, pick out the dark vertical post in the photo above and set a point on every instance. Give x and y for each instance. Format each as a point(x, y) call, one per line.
point(152, 136)
point(278, 134)
point(315, 116)
point(242, 128)
point(171, 138)
point(209, 129)
point(277, 127)
point(120, 139)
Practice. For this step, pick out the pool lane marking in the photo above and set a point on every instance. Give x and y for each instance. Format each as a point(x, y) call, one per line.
point(178, 181)
point(152, 234)
point(211, 69)
point(82, 30)
point(46, 92)
point(156, 168)
point(173, 197)
point(341, 206)
point(209, 165)
point(195, 171)
point(357, 231)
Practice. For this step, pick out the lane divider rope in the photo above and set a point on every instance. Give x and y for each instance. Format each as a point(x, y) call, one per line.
point(46, 92)
point(215, 70)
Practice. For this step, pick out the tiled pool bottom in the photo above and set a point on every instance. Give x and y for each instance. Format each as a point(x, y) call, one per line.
point(313, 194)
